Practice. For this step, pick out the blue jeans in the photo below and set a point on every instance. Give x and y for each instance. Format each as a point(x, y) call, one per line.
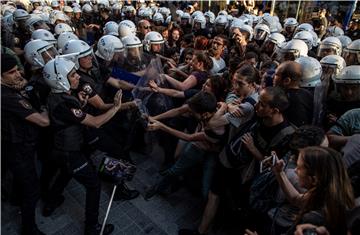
point(189, 157)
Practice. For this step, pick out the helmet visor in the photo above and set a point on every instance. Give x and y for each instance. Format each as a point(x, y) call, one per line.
point(325, 50)
point(350, 57)
point(48, 53)
point(287, 55)
point(260, 34)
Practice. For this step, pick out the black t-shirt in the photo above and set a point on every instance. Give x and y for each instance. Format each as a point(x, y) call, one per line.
point(14, 109)
point(300, 111)
point(201, 77)
point(268, 133)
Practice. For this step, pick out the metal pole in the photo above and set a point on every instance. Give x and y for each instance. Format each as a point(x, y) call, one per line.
point(108, 210)
point(298, 10)
point(272, 7)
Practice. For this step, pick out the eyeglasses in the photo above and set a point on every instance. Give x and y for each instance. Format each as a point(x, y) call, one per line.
point(146, 27)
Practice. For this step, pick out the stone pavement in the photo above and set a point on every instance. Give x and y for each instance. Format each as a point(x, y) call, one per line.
point(158, 216)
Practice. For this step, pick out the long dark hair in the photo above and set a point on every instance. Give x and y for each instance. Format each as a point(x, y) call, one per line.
point(332, 192)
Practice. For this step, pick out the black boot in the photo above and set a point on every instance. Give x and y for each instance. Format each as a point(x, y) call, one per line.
point(96, 229)
point(34, 231)
point(124, 193)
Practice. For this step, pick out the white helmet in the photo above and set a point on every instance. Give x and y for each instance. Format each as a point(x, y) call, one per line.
point(77, 10)
point(230, 18)
point(126, 28)
point(292, 50)
point(200, 19)
point(222, 12)
point(78, 48)
point(20, 14)
point(352, 53)
point(68, 9)
point(62, 27)
point(35, 50)
point(306, 36)
point(196, 13)
point(128, 9)
point(336, 62)
point(316, 39)
point(7, 10)
point(276, 38)
point(179, 13)
point(311, 71)
point(55, 3)
point(34, 21)
point(56, 73)
point(168, 19)
point(152, 37)
point(221, 20)
point(304, 27)
point(329, 46)
point(345, 40)
point(103, 4)
point(52, 16)
point(87, 8)
point(44, 35)
point(164, 11)
point(248, 29)
point(111, 28)
point(116, 7)
point(334, 31)
point(7, 23)
point(211, 16)
point(268, 20)
point(291, 22)
point(63, 39)
point(261, 31)
point(60, 16)
point(349, 75)
point(131, 41)
point(186, 16)
point(107, 46)
point(247, 19)
point(158, 17)
point(236, 23)
point(147, 13)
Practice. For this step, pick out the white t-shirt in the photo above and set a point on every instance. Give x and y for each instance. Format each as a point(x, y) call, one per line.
point(217, 65)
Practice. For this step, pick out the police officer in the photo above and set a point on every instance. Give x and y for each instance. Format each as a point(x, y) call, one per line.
point(68, 120)
point(19, 123)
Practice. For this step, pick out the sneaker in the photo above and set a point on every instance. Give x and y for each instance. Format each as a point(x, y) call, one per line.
point(95, 230)
point(49, 208)
point(189, 232)
point(124, 193)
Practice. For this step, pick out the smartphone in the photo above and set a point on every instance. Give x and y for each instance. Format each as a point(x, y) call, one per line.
point(268, 162)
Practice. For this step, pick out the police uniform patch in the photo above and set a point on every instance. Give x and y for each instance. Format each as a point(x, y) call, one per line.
point(77, 112)
point(25, 104)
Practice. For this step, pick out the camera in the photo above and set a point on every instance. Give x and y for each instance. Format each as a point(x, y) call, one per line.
point(310, 231)
point(268, 162)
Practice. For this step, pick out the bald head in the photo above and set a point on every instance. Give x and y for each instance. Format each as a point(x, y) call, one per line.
point(288, 72)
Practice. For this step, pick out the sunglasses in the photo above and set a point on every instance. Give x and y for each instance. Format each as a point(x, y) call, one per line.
point(146, 27)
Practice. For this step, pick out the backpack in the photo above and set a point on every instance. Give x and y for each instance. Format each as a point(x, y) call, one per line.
point(263, 190)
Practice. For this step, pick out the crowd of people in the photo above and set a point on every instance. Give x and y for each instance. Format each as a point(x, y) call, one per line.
point(265, 113)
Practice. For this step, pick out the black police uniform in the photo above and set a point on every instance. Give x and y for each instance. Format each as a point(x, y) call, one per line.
point(18, 152)
point(66, 117)
point(38, 91)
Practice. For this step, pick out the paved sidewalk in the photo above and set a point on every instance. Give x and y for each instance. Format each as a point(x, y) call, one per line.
point(158, 216)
